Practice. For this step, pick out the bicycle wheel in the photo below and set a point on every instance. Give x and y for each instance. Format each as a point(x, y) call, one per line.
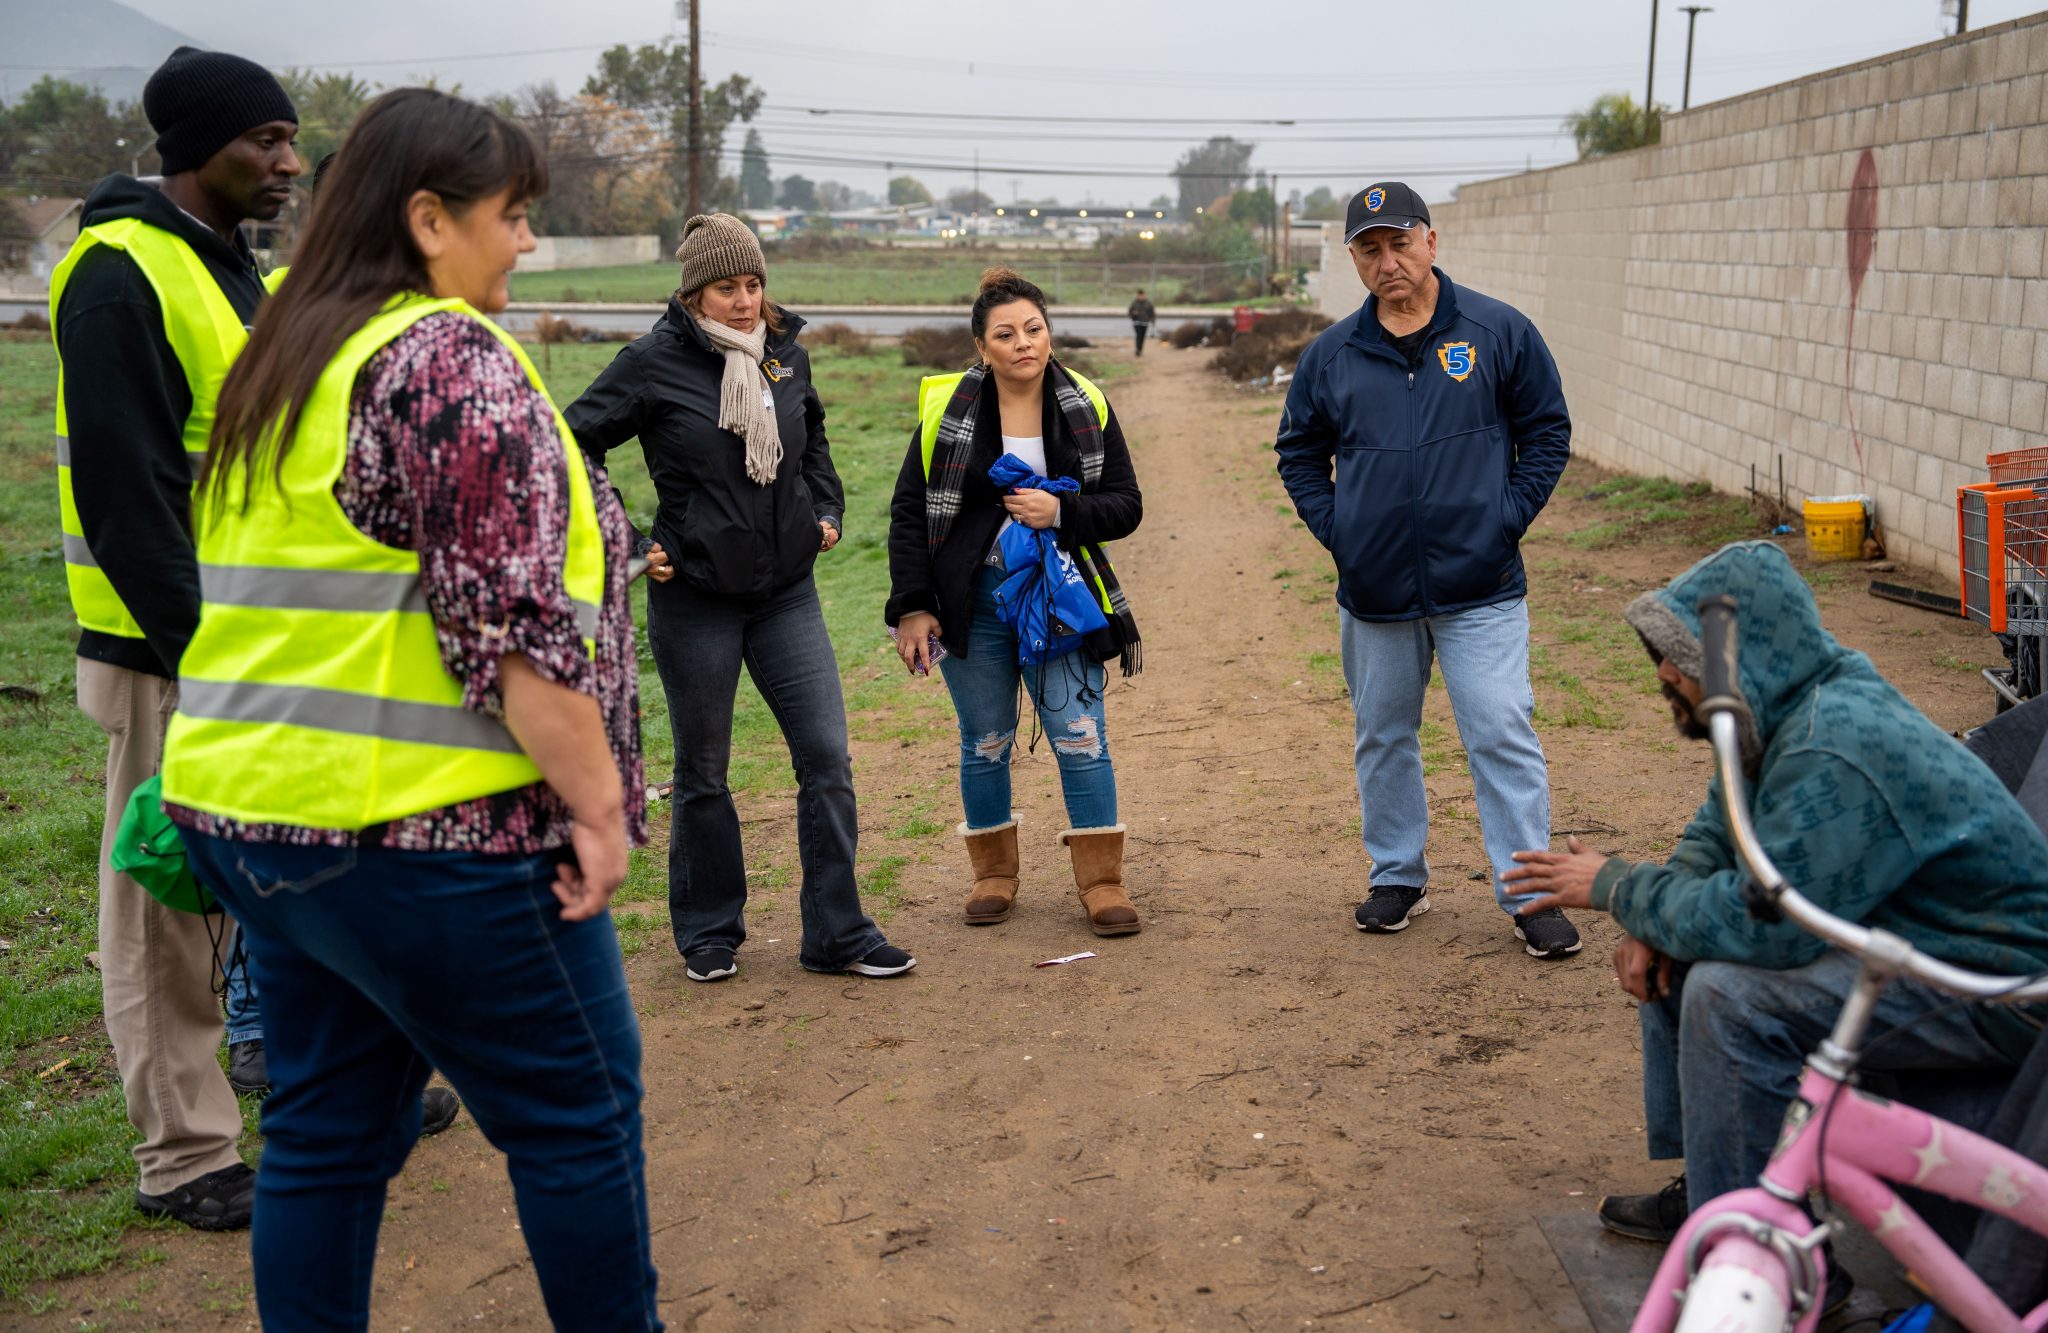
point(1742, 1287)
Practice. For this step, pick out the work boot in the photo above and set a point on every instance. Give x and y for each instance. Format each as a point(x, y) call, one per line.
point(1652, 1217)
point(1099, 876)
point(993, 854)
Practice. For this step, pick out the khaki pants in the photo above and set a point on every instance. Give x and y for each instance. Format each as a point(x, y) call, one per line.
point(156, 964)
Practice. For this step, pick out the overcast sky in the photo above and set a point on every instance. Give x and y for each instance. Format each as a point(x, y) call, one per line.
point(1202, 66)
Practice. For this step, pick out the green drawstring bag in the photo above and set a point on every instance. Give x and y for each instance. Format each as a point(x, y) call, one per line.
point(147, 848)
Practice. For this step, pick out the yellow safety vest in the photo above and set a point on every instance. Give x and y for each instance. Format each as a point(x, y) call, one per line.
point(935, 391)
point(313, 692)
point(205, 334)
point(275, 279)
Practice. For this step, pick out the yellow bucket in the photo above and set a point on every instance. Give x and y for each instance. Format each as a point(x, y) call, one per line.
point(1836, 526)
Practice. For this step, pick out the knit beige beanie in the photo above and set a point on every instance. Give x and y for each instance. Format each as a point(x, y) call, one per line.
point(718, 245)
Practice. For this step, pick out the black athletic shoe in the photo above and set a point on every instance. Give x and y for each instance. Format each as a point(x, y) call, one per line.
point(1841, 1286)
point(217, 1201)
point(438, 1109)
point(883, 961)
point(1653, 1217)
point(710, 965)
point(248, 1067)
point(1390, 907)
point(1548, 934)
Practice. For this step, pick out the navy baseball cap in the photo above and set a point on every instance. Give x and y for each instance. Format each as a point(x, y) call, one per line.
point(1384, 204)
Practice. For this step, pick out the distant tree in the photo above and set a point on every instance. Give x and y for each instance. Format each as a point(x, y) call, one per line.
point(607, 165)
point(60, 137)
point(757, 186)
point(1319, 205)
point(1614, 124)
point(798, 193)
point(907, 190)
point(655, 79)
point(832, 196)
point(1220, 166)
point(863, 199)
point(327, 105)
point(969, 201)
point(1160, 203)
point(1251, 208)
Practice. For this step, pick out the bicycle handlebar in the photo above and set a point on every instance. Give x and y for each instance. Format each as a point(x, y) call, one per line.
point(1723, 707)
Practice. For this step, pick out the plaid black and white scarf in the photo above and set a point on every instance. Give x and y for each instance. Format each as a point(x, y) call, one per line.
point(946, 483)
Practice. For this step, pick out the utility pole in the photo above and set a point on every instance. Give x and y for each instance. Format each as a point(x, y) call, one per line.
point(1692, 15)
point(695, 198)
point(1649, 83)
point(1959, 10)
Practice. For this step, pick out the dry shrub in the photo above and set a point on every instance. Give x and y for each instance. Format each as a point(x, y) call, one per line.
point(941, 346)
point(32, 321)
point(1190, 334)
point(1069, 342)
point(838, 334)
point(1277, 341)
point(551, 329)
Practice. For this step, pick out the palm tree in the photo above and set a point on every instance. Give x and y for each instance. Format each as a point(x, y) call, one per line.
point(1614, 124)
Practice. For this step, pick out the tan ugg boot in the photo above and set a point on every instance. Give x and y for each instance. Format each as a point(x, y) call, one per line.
point(993, 854)
point(1099, 876)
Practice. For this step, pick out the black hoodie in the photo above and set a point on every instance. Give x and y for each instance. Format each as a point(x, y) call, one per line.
point(127, 400)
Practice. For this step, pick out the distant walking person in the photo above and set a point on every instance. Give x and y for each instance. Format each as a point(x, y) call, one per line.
point(406, 754)
point(946, 567)
point(1142, 317)
point(721, 399)
point(1420, 439)
point(150, 308)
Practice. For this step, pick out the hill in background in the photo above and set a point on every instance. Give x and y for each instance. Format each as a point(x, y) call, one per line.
point(100, 43)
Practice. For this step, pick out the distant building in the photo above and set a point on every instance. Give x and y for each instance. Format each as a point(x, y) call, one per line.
point(39, 233)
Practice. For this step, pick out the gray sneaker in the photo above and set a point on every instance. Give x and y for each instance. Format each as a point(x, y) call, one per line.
point(1390, 907)
point(1547, 934)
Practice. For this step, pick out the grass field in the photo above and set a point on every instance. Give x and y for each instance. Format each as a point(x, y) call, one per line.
point(879, 276)
point(65, 1173)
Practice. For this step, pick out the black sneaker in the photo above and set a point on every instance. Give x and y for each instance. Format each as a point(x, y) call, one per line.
point(217, 1201)
point(248, 1067)
point(1841, 1286)
point(438, 1109)
point(1548, 934)
point(1653, 1217)
point(883, 961)
point(1390, 907)
point(710, 965)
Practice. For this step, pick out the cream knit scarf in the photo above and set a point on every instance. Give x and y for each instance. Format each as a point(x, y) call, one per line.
point(744, 407)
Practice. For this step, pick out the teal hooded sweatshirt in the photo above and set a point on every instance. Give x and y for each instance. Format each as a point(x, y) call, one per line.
point(1867, 808)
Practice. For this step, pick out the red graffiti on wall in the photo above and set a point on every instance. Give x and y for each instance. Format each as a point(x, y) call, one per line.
point(1862, 230)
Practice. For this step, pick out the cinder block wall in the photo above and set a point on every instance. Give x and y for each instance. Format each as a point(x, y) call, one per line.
point(1697, 294)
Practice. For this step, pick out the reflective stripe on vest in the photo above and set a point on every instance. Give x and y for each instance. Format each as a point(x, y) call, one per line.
point(314, 693)
point(934, 392)
point(205, 335)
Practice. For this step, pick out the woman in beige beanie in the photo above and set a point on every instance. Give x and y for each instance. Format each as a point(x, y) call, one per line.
point(720, 396)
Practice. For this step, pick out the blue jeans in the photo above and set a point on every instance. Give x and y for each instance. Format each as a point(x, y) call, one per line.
point(699, 642)
point(1722, 1056)
point(377, 967)
point(1068, 695)
point(1484, 655)
point(244, 1014)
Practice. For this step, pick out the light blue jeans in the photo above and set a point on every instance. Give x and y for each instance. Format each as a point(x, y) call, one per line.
point(244, 1016)
point(1484, 654)
point(1068, 695)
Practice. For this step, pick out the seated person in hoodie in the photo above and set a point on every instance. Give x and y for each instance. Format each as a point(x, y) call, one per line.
point(1871, 811)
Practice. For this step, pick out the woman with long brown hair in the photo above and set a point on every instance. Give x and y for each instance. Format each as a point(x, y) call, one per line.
point(406, 755)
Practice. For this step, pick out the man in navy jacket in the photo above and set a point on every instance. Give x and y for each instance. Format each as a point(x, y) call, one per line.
point(1422, 436)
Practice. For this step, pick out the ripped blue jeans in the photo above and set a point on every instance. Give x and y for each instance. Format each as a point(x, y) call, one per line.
point(1068, 695)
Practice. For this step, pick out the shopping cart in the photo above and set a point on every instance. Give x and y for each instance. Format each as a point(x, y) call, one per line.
point(2002, 539)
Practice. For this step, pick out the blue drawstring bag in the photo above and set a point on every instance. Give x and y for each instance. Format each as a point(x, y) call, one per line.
point(1044, 600)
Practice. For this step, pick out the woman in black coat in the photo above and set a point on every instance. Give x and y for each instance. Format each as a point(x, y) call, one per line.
point(945, 565)
point(720, 396)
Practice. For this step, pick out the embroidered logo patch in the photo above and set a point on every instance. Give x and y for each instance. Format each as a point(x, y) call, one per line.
point(1456, 359)
point(1374, 198)
point(775, 370)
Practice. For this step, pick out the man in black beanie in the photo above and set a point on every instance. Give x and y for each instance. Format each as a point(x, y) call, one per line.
point(150, 308)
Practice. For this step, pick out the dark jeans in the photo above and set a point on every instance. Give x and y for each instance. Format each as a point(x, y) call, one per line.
point(377, 967)
point(1140, 330)
point(699, 642)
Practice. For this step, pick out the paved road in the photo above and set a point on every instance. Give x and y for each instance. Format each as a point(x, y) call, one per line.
point(630, 321)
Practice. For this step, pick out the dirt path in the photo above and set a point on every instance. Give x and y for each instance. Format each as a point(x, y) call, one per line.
point(1247, 1116)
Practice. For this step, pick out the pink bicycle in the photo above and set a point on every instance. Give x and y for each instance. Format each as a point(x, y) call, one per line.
point(1751, 1261)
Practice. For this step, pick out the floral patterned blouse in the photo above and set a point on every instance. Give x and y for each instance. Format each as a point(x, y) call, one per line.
point(453, 454)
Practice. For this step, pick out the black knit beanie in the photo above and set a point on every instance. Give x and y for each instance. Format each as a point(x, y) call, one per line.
point(198, 102)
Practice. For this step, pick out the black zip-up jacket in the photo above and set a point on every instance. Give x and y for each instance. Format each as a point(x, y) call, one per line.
point(127, 400)
point(942, 581)
point(725, 533)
